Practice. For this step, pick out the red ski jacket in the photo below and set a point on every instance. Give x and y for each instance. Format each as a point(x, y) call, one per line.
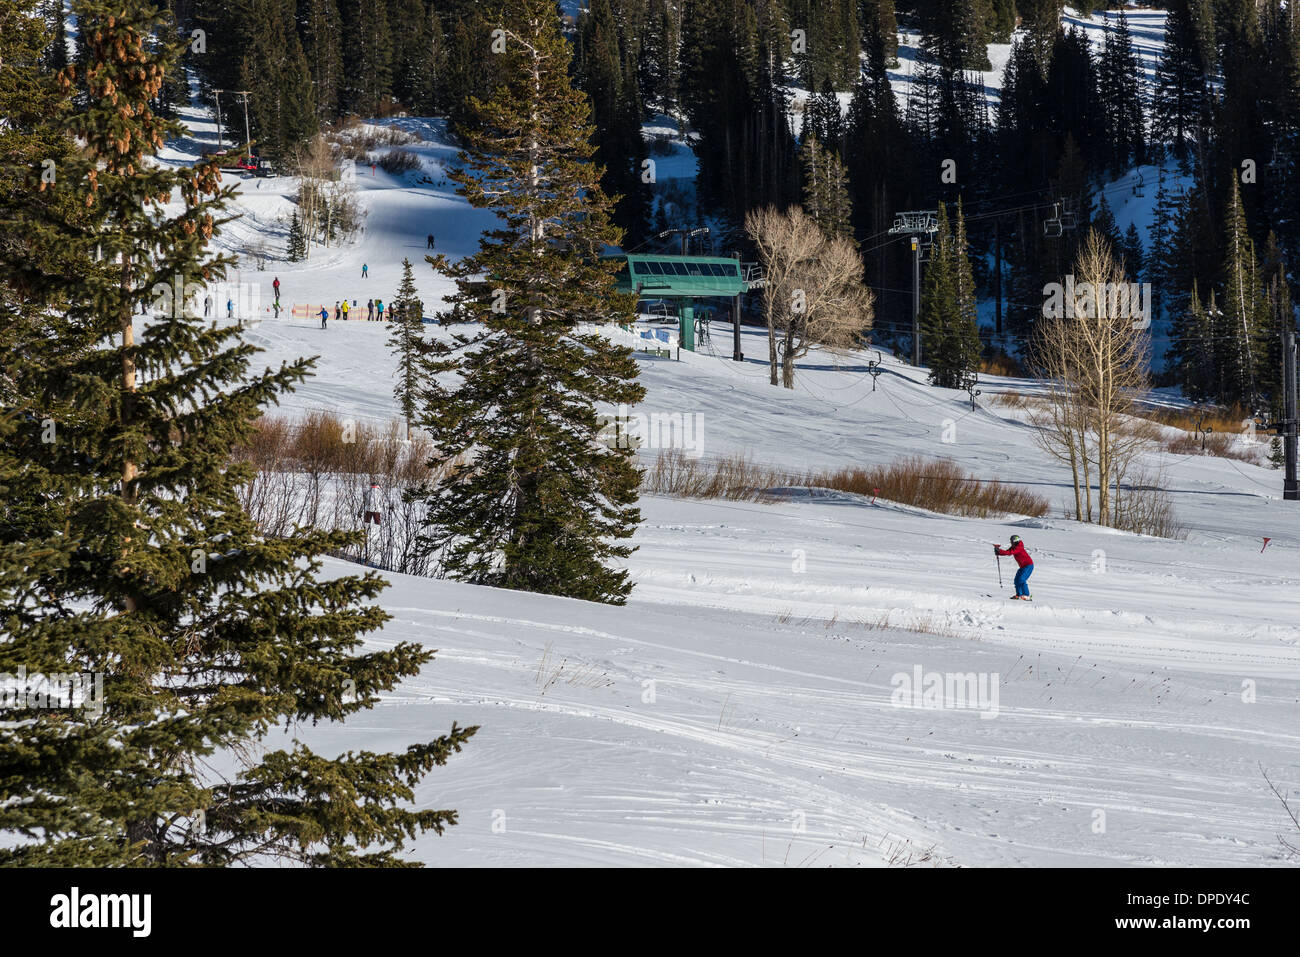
point(1017, 551)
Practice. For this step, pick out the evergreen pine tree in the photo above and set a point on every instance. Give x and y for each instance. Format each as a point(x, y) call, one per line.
point(824, 119)
point(1103, 220)
point(1041, 20)
point(406, 340)
point(1004, 21)
point(57, 55)
point(1181, 107)
point(368, 66)
point(207, 634)
point(879, 31)
point(1120, 94)
point(1190, 342)
point(297, 250)
point(282, 114)
point(408, 24)
point(1131, 252)
point(1244, 321)
point(1284, 165)
point(322, 32)
point(1280, 318)
point(1161, 224)
point(1193, 251)
point(876, 153)
point(537, 501)
point(616, 117)
point(955, 33)
point(734, 95)
point(468, 73)
point(426, 86)
point(826, 190)
point(949, 327)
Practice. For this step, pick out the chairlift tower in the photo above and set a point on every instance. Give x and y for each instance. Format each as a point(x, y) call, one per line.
point(217, 95)
point(916, 224)
point(248, 137)
point(686, 234)
point(1290, 424)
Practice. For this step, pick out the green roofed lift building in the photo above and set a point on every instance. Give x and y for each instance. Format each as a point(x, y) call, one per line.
point(687, 279)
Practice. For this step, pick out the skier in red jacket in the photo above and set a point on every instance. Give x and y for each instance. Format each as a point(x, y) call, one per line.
point(1017, 551)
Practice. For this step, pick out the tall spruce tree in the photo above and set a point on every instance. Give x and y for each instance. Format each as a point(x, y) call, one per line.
point(879, 30)
point(282, 114)
point(1244, 320)
point(207, 634)
point(880, 173)
point(322, 40)
point(1182, 103)
point(826, 190)
point(1103, 221)
point(1190, 356)
point(949, 324)
point(537, 501)
point(1041, 20)
point(1132, 258)
point(368, 65)
point(297, 245)
point(824, 119)
point(1159, 236)
point(406, 340)
point(616, 118)
point(1120, 93)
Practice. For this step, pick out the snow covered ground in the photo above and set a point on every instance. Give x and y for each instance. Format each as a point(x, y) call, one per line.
point(748, 706)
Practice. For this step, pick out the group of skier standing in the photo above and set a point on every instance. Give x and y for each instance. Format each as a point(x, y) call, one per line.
point(374, 310)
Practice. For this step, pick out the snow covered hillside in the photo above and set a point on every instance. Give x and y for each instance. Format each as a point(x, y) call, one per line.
point(741, 708)
point(752, 704)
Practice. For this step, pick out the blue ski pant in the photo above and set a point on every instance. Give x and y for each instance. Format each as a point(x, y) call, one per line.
point(1022, 580)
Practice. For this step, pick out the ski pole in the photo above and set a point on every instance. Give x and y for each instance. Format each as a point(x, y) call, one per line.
point(999, 558)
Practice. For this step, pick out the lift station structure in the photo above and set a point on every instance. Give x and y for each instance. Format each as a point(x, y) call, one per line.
point(687, 279)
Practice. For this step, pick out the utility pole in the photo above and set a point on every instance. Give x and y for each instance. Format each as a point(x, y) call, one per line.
point(915, 224)
point(1290, 416)
point(248, 137)
point(217, 94)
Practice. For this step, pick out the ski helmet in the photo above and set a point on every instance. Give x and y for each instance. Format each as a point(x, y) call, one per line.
point(1015, 539)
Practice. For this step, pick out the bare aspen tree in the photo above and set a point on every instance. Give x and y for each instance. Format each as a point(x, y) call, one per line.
point(814, 293)
point(1092, 361)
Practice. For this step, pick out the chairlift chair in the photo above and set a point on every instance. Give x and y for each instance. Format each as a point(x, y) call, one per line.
point(1068, 220)
point(1052, 227)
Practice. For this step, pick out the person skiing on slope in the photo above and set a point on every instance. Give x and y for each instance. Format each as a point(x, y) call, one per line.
point(324, 314)
point(379, 305)
point(370, 310)
point(365, 270)
point(1025, 563)
point(276, 286)
point(345, 308)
